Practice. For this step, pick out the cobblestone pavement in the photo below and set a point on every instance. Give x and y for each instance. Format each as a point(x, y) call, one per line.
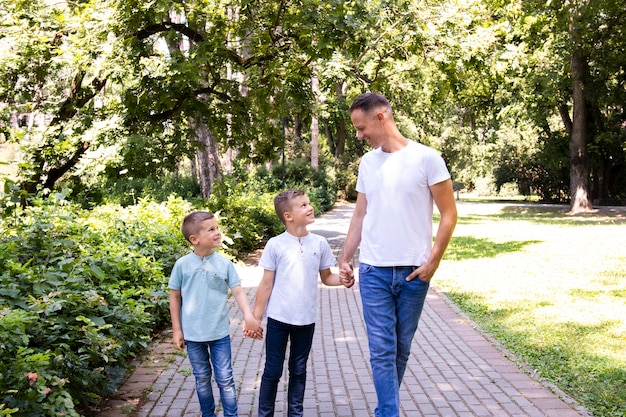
point(454, 369)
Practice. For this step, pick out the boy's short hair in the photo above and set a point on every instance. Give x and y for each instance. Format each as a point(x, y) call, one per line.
point(192, 220)
point(282, 202)
point(369, 101)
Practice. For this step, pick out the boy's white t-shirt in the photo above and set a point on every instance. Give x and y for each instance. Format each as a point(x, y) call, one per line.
point(296, 263)
point(397, 228)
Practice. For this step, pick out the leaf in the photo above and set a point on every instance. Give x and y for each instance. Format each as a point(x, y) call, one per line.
point(97, 272)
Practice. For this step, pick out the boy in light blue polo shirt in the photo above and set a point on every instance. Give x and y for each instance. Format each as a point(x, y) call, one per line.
point(199, 286)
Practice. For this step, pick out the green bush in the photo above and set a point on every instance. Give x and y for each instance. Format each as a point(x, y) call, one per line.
point(129, 191)
point(244, 201)
point(81, 292)
point(245, 220)
point(346, 180)
point(319, 184)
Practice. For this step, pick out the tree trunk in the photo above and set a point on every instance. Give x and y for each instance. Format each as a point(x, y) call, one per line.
point(340, 138)
point(209, 167)
point(315, 152)
point(579, 159)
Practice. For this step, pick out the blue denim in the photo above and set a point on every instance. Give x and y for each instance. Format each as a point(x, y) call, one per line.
point(217, 353)
point(391, 308)
point(301, 339)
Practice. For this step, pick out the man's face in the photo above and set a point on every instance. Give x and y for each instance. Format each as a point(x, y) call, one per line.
point(369, 126)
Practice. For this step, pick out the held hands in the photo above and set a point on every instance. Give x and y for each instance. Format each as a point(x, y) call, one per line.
point(252, 328)
point(346, 274)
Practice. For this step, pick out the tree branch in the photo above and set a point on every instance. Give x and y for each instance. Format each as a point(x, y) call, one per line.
point(167, 26)
point(78, 97)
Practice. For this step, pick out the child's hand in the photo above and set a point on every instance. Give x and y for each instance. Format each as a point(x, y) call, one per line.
point(252, 328)
point(258, 335)
point(178, 340)
point(254, 335)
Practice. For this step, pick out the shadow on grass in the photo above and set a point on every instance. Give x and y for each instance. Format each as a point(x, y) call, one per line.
point(539, 218)
point(549, 214)
point(557, 351)
point(468, 247)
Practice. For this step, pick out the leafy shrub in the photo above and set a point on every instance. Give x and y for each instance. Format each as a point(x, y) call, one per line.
point(346, 180)
point(545, 173)
point(129, 191)
point(319, 184)
point(245, 219)
point(80, 293)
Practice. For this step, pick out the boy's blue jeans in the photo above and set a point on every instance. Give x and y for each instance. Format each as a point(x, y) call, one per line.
point(391, 308)
point(301, 339)
point(217, 353)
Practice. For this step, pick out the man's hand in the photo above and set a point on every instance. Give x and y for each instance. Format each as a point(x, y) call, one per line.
point(346, 274)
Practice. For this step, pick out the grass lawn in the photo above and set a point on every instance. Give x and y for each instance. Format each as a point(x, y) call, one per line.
point(549, 287)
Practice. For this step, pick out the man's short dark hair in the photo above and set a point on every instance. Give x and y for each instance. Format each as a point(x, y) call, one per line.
point(368, 101)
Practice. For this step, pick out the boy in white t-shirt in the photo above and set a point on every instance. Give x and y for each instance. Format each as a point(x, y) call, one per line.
point(199, 285)
point(287, 294)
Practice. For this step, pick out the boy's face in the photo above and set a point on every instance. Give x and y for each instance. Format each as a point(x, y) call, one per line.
point(301, 212)
point(208, 235)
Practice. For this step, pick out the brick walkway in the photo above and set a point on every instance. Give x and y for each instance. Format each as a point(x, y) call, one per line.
point(454, 369)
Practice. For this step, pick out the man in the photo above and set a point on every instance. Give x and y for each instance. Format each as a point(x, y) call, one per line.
point(397, 183)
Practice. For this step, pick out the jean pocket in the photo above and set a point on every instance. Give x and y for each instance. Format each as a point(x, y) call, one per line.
point(364, 268)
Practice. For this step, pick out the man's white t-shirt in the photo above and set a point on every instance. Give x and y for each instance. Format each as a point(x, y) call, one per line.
point(397, 228)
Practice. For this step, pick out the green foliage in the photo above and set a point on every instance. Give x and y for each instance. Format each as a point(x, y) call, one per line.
point(107, 87)
point(346, 180)
point(80, 293)
point(245, 200)
point(545, 172)
point(127, 191)
point(318, 183)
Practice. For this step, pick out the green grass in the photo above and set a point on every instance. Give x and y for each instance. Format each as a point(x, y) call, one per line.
point(551, 288)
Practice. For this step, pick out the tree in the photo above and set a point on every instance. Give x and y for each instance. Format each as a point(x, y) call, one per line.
point(47, 73)
point(159, 82)
point(517, 75)
point(579, 159)
point(584, 35)
point(242, 68)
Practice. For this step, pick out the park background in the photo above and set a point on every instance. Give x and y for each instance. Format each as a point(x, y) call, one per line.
point(117, 117)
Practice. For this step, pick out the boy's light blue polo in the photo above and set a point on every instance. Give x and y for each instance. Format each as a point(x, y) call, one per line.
point(204, 284)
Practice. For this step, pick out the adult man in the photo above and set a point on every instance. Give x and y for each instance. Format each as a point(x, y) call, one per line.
point(392, 221)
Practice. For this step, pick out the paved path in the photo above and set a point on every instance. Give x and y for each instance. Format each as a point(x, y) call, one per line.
point(454, 370)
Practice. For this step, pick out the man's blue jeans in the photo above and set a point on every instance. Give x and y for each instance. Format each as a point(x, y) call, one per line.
point(301, 339)
point(218, 353)
point(391, 308)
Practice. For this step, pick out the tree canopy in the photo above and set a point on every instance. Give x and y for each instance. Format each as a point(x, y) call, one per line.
point(529, 92)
